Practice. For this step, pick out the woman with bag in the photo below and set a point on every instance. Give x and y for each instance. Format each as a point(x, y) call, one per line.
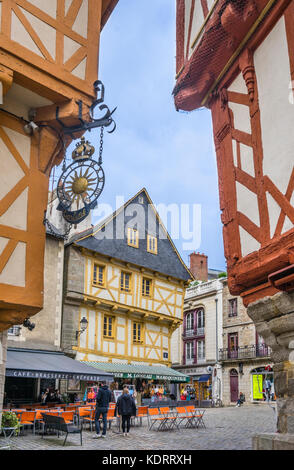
point(126, 408)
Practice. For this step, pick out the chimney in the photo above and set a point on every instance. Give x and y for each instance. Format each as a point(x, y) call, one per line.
point(198, 266)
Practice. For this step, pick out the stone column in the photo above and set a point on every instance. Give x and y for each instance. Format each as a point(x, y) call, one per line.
point(274, 320)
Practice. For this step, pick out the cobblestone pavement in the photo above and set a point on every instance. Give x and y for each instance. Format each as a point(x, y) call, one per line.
point(227, 428)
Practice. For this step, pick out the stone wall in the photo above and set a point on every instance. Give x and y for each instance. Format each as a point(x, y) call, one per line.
point(74, 285)
point(47, 331)
point(241, 324)
point(274, 319)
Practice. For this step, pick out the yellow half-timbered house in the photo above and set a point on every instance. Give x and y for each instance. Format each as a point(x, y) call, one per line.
point(127, 279)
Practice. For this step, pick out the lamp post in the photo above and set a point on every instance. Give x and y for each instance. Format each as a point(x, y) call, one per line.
point(84, 326)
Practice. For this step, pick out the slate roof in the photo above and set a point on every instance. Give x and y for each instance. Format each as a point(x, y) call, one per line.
point(109, 238)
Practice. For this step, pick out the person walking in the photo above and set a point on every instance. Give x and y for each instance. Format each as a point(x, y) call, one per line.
point(126, 408)
point(102, 404)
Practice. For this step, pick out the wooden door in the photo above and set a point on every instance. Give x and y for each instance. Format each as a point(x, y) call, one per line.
point(234, 385)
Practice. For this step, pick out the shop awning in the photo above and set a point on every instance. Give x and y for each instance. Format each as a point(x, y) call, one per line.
point(133, 371)
point(203, 378)
point(31, 363)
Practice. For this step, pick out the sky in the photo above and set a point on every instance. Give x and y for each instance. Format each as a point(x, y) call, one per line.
point(169, 153)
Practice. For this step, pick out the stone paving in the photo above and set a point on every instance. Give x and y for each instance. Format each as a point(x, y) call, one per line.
point(227, 428)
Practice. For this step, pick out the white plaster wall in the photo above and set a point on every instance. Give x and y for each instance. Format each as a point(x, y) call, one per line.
point(272, 66)
point(198, 19)
point(188, 4)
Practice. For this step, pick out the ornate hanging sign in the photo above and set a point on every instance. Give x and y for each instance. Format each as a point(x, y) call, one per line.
point(80, 184)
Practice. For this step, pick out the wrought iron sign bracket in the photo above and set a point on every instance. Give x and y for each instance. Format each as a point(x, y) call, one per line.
point(105, 121)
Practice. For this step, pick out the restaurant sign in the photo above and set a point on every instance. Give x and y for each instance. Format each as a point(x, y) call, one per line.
point(170, 378)
point(49, 375)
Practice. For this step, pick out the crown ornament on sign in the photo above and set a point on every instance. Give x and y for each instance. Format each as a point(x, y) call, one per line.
point(83, 150)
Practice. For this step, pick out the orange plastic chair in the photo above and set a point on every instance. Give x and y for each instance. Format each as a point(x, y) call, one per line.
point(171, 421)
point(165, 409)
point(68, 416)
point(70, 408)
point(90, 419)
point(183, 415)
point(110, 416)
point(154, 418)
point(28, 418)
point(142, 413)
point(83, 412)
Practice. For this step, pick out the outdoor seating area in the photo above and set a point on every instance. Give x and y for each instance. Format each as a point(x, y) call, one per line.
point(167, 419)
point(74, 418)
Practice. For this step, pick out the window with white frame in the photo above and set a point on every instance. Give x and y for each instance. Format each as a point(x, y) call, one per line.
point(190, 324)
point(200, 351)
point(189, 351)
point(200, 322)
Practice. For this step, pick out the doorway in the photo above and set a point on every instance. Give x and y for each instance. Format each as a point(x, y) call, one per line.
point(234, 385)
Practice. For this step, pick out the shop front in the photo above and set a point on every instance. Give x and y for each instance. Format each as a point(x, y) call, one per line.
point(262, 382)
point(148, 384)
point(30, 372)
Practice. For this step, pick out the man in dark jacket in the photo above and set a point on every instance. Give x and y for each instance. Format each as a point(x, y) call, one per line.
point(102, 404)
point(126, 408)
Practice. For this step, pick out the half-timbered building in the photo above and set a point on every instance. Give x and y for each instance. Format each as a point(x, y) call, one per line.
point(126, 277)
point(48, 65)
point(236, 58)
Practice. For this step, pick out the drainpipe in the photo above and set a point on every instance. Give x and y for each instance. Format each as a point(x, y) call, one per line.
point(216, 339)
point(216, 321)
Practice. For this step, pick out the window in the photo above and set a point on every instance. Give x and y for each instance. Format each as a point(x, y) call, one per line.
point(152, 244)
point(189, 352)
point(200, 322)
point(14, 330)
point(200, 351)
point(146, 287)
point(99, 275)
point(189, 324)
point(108, 327)
point(133, 237)
point(137, 332)
point(233, 307)
point(125, 282)
point(233, 345)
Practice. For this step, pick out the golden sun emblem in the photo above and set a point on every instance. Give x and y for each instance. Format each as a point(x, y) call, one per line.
point(79, 185)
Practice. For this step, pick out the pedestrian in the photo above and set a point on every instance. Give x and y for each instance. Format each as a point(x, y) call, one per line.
point(102, 404)
point(44, 396)
point(241, 399)
point(126, 408)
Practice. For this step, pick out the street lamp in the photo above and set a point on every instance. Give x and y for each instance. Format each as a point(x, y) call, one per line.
point(84, 326)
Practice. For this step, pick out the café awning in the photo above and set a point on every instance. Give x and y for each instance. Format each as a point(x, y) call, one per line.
point(133, 371)
point(29, 363)
point(203, 378)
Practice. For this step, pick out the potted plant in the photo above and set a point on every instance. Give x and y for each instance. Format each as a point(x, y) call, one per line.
point(11, 421)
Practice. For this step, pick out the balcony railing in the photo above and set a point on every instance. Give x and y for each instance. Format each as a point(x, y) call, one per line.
point(191, 360)
point(244, 352)
point(189, 333)
point(192, 332)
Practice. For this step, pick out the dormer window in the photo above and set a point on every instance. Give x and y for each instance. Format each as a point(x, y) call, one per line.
point(133, 237)
point(152, 244)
